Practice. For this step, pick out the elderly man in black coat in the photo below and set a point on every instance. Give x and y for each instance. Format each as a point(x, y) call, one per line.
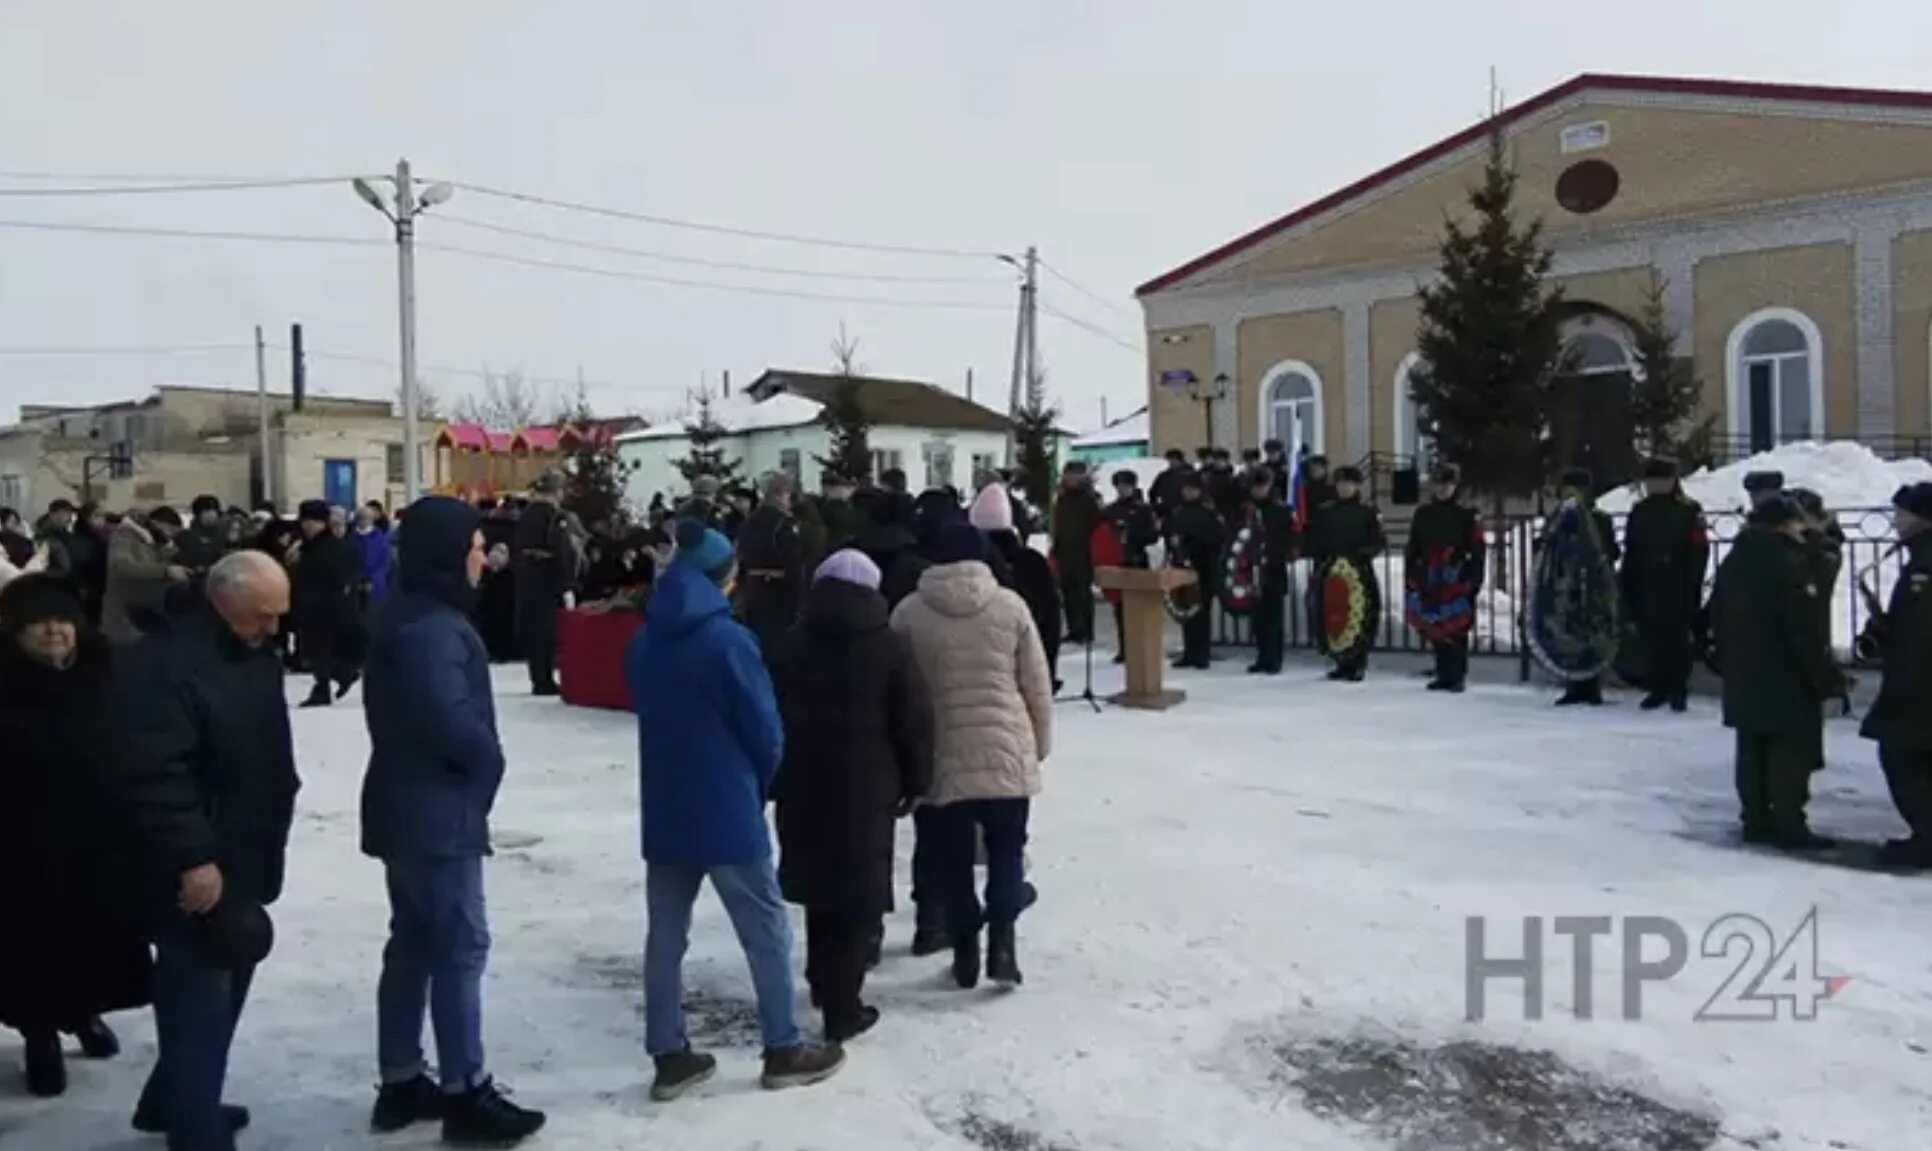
point(209, 766)
point(546, 559)
point(858, 751)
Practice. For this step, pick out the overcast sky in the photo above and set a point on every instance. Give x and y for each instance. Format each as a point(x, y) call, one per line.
point(1122, 137)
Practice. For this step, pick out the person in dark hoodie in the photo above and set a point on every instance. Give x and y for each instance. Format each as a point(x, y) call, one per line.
point(858, 752)
point(326, 602)
point(1020, 568)
point(890, 544)
point(435, 764)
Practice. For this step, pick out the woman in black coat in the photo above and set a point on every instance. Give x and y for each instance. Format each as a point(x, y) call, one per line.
point(858, 751)
point(74, 946)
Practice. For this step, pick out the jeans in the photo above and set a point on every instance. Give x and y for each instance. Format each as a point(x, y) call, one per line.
point(196, 1007)
point(439, 942)
point(749, 892)
point(957, 828)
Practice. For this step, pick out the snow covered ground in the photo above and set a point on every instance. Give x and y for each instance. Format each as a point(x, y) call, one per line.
point(1238, 897)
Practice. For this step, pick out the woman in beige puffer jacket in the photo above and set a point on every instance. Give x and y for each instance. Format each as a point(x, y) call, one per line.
point(992, 698)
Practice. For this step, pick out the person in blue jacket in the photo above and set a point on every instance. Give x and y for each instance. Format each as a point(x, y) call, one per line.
point(434, 767)
point(710, 741)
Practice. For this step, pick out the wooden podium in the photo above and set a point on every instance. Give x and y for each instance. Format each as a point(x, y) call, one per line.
point(1143, 594)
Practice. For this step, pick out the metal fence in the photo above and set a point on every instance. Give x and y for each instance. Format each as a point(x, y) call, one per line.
point(1870, 553)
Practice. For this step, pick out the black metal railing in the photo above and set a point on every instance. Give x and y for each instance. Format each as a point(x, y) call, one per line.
point(1728, 448)
point(1870, 553)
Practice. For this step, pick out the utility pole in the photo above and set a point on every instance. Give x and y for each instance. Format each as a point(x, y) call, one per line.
point(261, 414)
point(1025, 348)
point(407, 207)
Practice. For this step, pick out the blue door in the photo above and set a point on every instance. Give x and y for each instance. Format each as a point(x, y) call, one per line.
point(339, 483)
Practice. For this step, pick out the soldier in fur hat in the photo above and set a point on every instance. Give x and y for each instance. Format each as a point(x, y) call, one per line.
point(1666, 547)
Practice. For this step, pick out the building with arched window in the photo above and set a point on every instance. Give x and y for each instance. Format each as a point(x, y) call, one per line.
point(1790, 228)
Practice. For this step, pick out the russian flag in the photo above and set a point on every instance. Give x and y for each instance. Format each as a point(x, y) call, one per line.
point(1298, 493)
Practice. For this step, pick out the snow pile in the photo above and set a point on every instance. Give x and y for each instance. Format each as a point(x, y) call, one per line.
point(1845, 474)
point(739, 413)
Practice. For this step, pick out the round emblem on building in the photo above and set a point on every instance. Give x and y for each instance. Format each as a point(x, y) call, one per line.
point(1587, 186)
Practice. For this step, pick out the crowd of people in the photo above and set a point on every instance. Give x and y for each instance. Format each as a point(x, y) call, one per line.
point(849, 659)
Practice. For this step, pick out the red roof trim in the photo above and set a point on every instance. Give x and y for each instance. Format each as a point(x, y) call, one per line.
point(1660, 85)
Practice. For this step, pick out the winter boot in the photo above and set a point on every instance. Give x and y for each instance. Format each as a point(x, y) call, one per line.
point(97, 1040)
point(46, 1066)
point(1680, 703)
point(318, 697)
point(1002, 955)
point(680, 1071)
point(343, 685)
point(398, 1105)
point(484, 1117)
point(1580, 693)
point(966, 961)
point(929, 935)
point(1653, 701)
point(1913, 854)
point(150, 1120)
point(801, 1066)
point(846, 1030)
point(1336, 674)
point(1801, 838)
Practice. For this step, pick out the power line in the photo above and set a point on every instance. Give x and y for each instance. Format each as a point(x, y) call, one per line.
point(471, 373)
point(1092, 329)
point(189, 233)
point(156, 350)
point(747, 289)
point(723, 229)
point(182, 186)
point(728, 265)
point(1091, 295)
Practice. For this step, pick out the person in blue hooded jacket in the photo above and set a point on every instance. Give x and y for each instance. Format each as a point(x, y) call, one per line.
point(710, 740)
point(434, 767)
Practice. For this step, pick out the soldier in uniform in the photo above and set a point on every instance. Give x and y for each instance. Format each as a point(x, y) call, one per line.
point(1344, 526)
point(843, 522)
point(1194, 535)
point(771, 563)
point(1665, 549)
point(1761, 486)
point(1777, 673)
point(1277, 547)
point(1076, 512)
point(1900, 719)
point(1135, 527)
point(1446, 531)
point(545, 555)
point(1165, 493)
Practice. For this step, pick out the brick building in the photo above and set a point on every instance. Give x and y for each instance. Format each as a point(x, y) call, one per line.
point(1790, 226)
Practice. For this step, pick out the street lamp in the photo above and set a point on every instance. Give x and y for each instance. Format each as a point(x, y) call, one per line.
point(1207, 396)
point(408, 205)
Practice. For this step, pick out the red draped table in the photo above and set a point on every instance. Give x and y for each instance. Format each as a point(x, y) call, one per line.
point(590, 656)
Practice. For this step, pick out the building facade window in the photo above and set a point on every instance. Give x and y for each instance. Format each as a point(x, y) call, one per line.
point(1774, 381)
point(939, 464)
point(13, 491)
point(789, 462)
point(985, 464)
point(886, 459)
point(393, 462)
point(1291, 407)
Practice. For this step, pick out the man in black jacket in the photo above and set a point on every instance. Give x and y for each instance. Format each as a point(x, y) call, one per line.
point(1900, 718)
point(1135, 527)
point(211, 786)
point(771, 563)
point(1076, 513)
point(1277, 527)
point(1165, 492)
point(328, 623)
point(546, 570)
point(1665, 551)
point(1344, 526)
point(1443, 563)
point(1194, 538)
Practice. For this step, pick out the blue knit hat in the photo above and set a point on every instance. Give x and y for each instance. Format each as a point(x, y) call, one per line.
point(702, 548)
point(959, 542)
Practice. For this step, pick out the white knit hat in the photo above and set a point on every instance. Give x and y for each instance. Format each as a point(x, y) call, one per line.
point(851, 566)
point(992, 509)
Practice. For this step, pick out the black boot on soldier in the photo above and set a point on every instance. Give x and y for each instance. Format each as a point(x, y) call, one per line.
point(46, 1066)
point(966, 961)
point(97, 1039)
point(1002, 955)
point(929, 935)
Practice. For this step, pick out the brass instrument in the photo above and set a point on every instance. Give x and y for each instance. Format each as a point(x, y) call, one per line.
point(1869, 645)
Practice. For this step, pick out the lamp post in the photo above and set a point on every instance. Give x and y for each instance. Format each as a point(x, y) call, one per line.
point(1207, 395)
point(407, 206)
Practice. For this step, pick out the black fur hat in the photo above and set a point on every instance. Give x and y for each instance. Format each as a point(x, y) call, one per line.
point(1914, 498)
point(1261, 477)
point(1579, 478)
point(1445, 474)
point(1775, 512)
point(1660, 468)
point(1347, 474)
point(1764, 482)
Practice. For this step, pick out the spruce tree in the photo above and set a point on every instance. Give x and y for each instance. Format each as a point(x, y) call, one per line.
point(1033, 441)
point(594, 474)
point(1664, 403)
point(707, 454)
point(1490, 343)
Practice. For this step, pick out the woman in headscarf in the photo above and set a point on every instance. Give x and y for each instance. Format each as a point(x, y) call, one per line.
point(858, 752)
point(74, 948)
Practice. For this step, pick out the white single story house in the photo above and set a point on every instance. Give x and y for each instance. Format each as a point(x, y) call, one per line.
point(937, 438)
point(1127, 438)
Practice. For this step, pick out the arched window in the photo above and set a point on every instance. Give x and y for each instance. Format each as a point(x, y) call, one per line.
point(1595, 353)
point(1410, 439)
point(1291, 407)
point(1774, 384)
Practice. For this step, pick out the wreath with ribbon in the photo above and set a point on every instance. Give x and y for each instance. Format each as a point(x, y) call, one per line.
point(1350, 602)
point(1241, 570)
